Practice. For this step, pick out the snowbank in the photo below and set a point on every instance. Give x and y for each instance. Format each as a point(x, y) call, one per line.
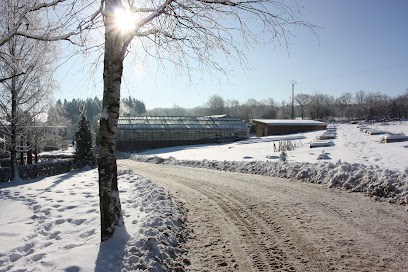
point(373, 181)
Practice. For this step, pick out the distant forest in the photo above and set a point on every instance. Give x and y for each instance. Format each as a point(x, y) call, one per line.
point(348, 106)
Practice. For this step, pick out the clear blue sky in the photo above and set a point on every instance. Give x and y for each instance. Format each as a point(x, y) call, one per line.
point(361, 45)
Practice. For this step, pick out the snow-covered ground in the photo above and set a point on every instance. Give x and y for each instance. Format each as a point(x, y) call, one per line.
point(351, 145)
point(52, 224)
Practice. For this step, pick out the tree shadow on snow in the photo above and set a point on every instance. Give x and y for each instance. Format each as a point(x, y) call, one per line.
point(112, 252)
point(64, 177)
point(60, 178)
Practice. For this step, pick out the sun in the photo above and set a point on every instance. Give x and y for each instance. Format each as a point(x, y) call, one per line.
point(125, 20)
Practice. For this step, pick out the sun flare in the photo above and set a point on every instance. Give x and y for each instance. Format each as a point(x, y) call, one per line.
point(125, 20)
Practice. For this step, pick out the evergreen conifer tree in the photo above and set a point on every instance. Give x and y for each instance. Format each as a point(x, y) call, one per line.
point(83, 141)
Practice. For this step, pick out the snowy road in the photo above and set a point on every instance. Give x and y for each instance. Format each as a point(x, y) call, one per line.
point(257, 223)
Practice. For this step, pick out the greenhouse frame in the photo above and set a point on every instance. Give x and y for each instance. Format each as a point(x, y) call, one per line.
point(148, 132)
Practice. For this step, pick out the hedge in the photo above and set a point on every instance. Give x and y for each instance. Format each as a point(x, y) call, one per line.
point(31, 171)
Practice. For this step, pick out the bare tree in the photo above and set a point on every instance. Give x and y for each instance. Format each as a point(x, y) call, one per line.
point(249, 110)
point(55, 118)
point(26, 84)
point(343, 102)
point(302, 100)
point(233, 108)
point(321, 106)
point(266, 109)
point(359, 98)
point(376, 105)
point(216, 105)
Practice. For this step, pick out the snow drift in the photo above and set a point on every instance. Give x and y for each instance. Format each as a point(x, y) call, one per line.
point(390, 185)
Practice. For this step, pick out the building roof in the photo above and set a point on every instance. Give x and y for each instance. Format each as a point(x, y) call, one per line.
point(289, 122)
point(181, 122)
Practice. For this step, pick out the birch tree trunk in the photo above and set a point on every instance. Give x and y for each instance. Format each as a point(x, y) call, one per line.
point(110, 207)
point(13, 138)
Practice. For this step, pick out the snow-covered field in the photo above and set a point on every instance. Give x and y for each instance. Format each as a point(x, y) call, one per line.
point(52, 224)
point(351, 145)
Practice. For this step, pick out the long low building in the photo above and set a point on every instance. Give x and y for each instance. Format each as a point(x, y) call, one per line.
point(148, 132)
point(266, 127)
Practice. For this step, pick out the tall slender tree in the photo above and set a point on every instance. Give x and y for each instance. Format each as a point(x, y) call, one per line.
point(27, 80)
point(302, 100)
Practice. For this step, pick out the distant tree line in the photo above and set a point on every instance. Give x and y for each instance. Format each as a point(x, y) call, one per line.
point(358, 106)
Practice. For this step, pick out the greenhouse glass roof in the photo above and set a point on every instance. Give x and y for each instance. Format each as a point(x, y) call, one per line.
point(184, 122)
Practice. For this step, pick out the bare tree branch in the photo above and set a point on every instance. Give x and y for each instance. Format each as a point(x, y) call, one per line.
point(48, 34)
point(10, 77)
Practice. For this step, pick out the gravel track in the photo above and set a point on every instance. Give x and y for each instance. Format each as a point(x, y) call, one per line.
point(244, 222)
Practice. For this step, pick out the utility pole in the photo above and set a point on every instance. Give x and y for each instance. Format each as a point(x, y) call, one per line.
point(293, 93)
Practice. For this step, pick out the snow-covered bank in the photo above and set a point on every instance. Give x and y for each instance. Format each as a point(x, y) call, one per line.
point(374, 181)
point(52, 224)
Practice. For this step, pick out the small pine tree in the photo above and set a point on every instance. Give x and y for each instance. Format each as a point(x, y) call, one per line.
point(83, 141)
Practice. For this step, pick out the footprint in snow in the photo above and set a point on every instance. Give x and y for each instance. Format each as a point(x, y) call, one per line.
point(91, 211)
point(48, 226)
point(47, 244)
point(87, 233)
point(88, 195)
point(25, 248)
point(67, 208)
point(71, 246)
point(37, 257)
point(78, 222)
point(54, 236)
point(46, 212)
point(14, 257)
point(59, 221)
point(72, 269)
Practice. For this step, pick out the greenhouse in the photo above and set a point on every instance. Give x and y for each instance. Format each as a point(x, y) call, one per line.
point(148, 132)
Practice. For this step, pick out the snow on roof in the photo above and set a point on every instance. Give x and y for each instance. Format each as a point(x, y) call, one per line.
point(217, 116)
point(288, 122)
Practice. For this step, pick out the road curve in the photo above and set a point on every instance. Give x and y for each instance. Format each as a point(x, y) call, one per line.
point(243, 222)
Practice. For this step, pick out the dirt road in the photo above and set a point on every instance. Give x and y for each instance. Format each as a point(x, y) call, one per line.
point(242, 222)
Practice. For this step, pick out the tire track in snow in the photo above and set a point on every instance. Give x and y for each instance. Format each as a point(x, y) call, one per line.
point(261, 229)
point(271, 243)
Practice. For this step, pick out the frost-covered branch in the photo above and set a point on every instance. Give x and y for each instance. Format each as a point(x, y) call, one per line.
point(64, 21)
point(10, 77)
